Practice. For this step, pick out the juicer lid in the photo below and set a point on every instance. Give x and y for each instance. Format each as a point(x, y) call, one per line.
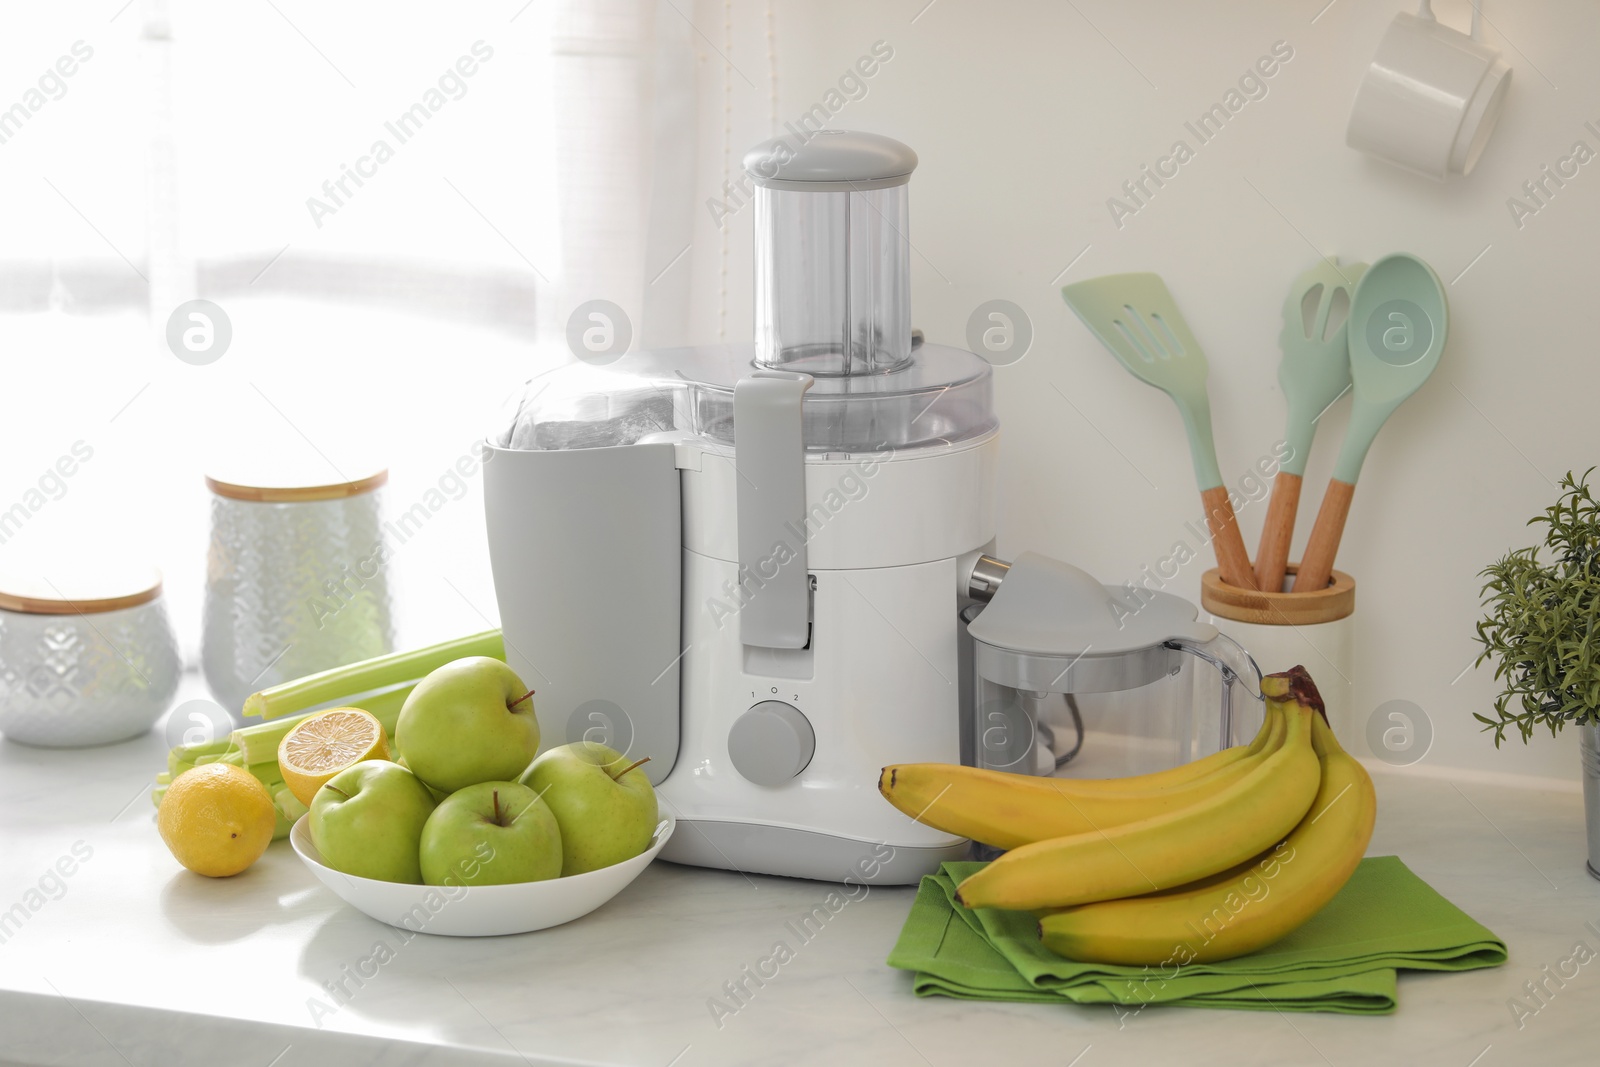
point(1047, 607)
point(831, 161)
point(943, 397)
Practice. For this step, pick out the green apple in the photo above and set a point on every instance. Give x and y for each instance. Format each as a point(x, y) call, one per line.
point(367, 821)
point(492, 833)
point(604, 805)
point(470, 721)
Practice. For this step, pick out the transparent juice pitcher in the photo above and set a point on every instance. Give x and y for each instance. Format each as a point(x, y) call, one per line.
point(1073, 678)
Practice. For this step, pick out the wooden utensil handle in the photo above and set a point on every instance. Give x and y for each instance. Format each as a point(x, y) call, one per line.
point(1317, 566)
point(1272, 558)
point(1232, 559)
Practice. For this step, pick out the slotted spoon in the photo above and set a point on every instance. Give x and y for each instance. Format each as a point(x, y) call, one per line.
point(1315, 372)
point(1136, 318)
point(1398, 321)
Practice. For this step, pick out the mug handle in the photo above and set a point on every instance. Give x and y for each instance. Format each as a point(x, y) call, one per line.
point(1425, 11)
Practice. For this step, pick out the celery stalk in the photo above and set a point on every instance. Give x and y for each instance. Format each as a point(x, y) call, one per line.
point(192, 753)
point(289, 804)
point(163, 778)
point(185, 757)
point(341, 682)
point(267, 774)
point(385, 704)
point(258, 743)
point(156, 794)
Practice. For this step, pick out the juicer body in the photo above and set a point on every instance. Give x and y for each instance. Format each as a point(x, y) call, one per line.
point(877, 683)
point(627, 604)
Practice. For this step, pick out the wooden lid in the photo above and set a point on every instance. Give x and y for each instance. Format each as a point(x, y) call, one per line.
point(82, 589)
point(291, 487)
point(1226, 601)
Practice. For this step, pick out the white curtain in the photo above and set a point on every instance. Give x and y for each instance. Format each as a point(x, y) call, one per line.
point(626, 110)
point(179, 160)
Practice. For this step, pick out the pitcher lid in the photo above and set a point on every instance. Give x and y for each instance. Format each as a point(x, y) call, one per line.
point(1047, 607)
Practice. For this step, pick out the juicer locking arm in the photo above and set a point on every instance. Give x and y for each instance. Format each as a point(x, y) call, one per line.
point(769, 452)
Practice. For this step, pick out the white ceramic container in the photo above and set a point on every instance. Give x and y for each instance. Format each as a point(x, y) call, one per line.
point(86, 658)
point(296, 579)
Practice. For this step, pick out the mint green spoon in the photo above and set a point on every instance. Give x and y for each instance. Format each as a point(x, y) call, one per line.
point(1136, 318)
point(1398, 321)
point(1315, 372)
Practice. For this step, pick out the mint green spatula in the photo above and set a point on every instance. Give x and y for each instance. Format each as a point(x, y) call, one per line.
point(1315, 372)
point(1136, 318)
point(1398, 321)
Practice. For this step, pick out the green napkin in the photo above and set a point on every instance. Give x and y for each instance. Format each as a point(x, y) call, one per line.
point(1343, 960)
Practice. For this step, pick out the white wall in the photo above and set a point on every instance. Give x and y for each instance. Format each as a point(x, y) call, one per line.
point(1028, 116)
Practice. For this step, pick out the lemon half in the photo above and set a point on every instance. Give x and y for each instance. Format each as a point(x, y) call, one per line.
point(320, 747)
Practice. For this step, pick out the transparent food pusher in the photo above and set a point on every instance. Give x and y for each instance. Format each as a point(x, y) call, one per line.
point(757, 563)
point(833, 295)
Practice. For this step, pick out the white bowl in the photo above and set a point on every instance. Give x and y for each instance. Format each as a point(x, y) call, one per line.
point(478, 911)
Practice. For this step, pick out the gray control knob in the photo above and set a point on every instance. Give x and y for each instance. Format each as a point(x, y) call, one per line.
point(771, 743)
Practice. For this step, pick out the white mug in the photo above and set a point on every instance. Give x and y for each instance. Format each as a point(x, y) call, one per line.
point(1430, 98)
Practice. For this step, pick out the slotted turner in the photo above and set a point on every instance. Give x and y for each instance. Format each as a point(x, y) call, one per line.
point(1314, 372)
point(1136, 318)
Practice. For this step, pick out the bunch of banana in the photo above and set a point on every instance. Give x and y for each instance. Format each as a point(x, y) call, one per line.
point(1008, 810)
point(1203, 862)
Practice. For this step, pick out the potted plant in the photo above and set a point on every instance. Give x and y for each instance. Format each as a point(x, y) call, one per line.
point(1542, 629)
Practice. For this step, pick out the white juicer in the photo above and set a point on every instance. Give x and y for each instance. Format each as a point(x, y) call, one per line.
point(771, 623)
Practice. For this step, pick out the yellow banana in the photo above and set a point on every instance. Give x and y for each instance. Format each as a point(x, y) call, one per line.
point(1225, 828)
point(1007, 810)
point(1243, 909)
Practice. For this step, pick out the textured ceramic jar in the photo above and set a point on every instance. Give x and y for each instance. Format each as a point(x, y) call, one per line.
point(296, 582)
point(85, 663)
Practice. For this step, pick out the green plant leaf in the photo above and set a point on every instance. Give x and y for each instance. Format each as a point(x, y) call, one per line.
point(1541, 618)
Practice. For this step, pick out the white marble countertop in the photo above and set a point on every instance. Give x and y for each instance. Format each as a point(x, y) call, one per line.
point(131, 960)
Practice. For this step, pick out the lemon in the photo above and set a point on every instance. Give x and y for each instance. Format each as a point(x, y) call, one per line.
point(217, 819)
point(323, 745)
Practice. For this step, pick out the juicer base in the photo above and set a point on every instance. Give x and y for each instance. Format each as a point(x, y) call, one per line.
point(754, 848)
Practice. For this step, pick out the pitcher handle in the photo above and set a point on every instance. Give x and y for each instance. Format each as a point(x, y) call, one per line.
point(1251, 677)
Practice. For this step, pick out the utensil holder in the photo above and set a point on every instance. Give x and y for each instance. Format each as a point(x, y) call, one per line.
point(1314, 629)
